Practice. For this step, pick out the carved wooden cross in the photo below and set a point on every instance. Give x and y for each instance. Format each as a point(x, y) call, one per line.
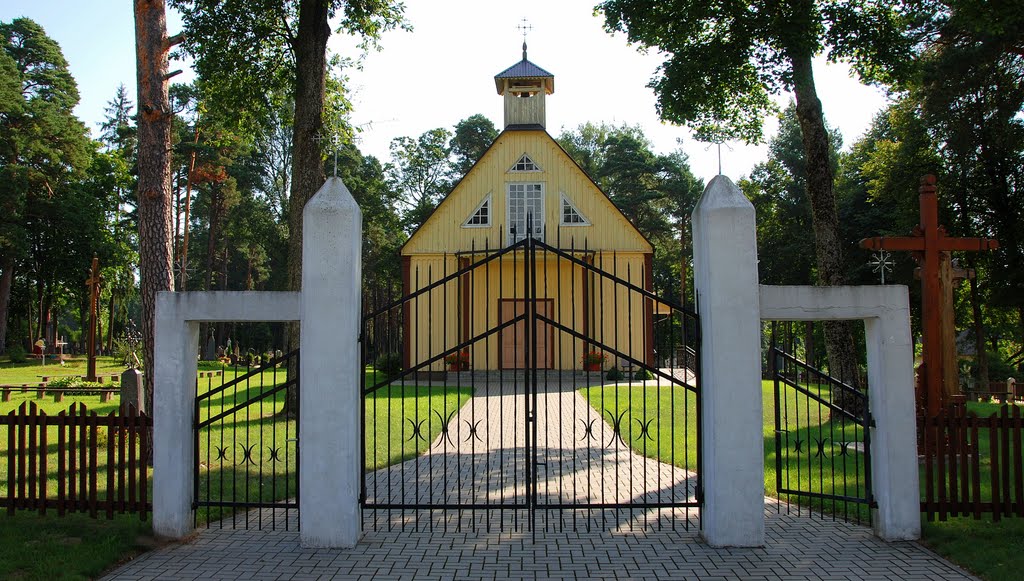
point(93, 282)
point(929, 242)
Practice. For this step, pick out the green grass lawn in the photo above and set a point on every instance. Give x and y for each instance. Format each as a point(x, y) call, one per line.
point(32, 371)
point(78, 547)
point(992, 550)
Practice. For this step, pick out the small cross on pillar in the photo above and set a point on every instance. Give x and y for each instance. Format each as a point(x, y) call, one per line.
point(929, 242)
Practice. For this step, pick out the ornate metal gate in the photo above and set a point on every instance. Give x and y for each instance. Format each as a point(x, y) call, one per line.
point(822, 436)
point(527, 378)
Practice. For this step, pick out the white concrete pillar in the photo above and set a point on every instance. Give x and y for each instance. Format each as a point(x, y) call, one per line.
point(330, 394)
point(174, 392)
point(894, 467)
point(732, 442)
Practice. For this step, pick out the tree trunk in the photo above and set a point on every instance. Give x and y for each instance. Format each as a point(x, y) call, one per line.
point(839, 342)
point(6, 280)
point(110, 325)
point(307, 169)
point(155, 206)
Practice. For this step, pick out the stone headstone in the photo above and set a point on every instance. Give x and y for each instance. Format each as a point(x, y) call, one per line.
point(210, 353)
point(132, 391)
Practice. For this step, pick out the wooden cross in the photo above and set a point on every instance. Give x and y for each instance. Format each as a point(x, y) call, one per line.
point(93, 282)
point(929, 242)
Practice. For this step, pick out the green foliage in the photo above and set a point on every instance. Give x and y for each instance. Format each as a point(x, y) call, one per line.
point(420, 171)
point(16, 353)
point(642, 375)
point(725, 60)
point(473, 135)
point(389, 364)
point(614, 374)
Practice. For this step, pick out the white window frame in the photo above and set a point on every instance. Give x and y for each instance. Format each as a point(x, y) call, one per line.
point(490, 214)
point(519, 159)
point(508, 212)
point(561, 213)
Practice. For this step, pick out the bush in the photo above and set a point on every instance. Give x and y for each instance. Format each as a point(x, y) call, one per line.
point(16, 353)
point(614, 374)
point(642, 375)
point(69, 383)
point(389, 364)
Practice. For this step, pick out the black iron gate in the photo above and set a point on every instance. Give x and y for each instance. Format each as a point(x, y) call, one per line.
point(822, 436)
point(530, 377)
point(246, 444)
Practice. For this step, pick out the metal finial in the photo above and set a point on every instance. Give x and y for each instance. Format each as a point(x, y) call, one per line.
point(881, 261)
point(335, 140)
point(524, 27)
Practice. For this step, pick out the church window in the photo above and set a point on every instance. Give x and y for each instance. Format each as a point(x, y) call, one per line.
point(525, 164)
point(481, 216)
point(525, 211)
point(570, 215)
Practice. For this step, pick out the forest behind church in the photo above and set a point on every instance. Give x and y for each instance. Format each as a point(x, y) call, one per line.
point(957, 110)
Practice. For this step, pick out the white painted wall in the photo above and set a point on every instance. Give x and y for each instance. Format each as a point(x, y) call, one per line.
point(177, 348)
point(330, 434)
point(732, 441)
point(885, 311)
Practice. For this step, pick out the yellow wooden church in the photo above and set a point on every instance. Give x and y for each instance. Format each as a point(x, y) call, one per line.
point(525, 184)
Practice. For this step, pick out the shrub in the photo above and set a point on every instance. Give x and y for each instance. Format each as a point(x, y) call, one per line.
point(614, 374)
point(642, 375)
point(16, 353)
point(389, 364)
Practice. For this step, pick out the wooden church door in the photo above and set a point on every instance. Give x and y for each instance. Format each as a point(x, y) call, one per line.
point(512, 342)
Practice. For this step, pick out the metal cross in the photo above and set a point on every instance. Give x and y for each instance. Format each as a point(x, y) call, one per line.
point(524, 27)
point(335, 140)
point(717, 143)
point(881, 261)
point(132, 339)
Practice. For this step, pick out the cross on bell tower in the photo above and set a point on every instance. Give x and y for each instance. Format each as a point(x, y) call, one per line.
point(524, 86)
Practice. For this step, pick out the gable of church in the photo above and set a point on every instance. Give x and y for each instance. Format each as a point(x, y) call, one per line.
point(525, 172)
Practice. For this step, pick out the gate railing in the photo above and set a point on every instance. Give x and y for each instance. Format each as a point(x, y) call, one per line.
point(822, 440)
point(480, 431)
point(246, 444)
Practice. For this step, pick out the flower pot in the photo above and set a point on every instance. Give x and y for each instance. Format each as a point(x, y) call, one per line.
point(458, 366)
point(591, 367)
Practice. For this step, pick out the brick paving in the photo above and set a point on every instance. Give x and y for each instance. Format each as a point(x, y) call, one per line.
point(481, 457)
point(481, 460)
point(487, 545)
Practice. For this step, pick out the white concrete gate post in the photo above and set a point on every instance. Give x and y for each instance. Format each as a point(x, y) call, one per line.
point(732, 443)
point(330, 397)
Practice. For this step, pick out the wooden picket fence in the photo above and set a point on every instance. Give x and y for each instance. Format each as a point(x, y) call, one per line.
point(75, 461)
point(973, 465)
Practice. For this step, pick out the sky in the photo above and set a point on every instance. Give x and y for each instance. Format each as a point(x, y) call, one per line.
point(442, 71)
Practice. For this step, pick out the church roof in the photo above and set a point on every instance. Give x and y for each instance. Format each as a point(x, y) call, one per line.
point(523, 69)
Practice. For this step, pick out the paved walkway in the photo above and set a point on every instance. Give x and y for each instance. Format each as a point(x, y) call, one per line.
point(797, 547)
point(481, 459)
point(582, 457)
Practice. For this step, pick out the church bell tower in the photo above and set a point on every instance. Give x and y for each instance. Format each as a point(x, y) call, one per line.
point(524, 86)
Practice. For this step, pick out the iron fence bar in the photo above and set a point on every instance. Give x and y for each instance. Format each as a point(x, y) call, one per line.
point(824, 376)
point(615, 352)
point(441, 282)
point(617, 280)
point(245, 404)
point(862, 421)
point(442, 355)
point(239, 379)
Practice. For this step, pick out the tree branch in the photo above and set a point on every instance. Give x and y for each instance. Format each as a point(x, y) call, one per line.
point(174, 40)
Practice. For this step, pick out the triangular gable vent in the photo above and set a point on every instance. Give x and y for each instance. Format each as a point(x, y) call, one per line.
point(525, 164)
point(570, 215)
point(481, 216)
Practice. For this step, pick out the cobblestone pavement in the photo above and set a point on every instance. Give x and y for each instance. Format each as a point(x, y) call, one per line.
point(582, 457)
point(647, 547)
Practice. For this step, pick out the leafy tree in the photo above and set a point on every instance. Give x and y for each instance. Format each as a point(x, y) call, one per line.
point(42, 148)
point(420, 170)
point(246, 51)
point(778, 190)
point(473, 135)
point(723, 63)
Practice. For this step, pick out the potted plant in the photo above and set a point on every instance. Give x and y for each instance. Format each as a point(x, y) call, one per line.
point(592, 360)
point(457, 361)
